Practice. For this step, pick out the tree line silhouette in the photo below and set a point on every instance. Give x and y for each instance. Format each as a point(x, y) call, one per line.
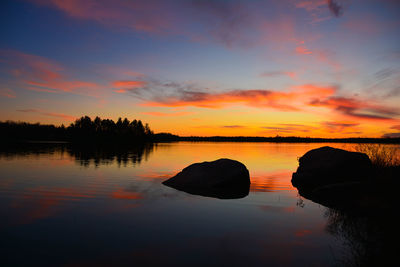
point(83, 129)
point(86, 130)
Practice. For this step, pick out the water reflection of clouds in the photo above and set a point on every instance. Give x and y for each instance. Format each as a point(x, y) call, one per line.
point(271, 181)
point(28, 205)
point(130, 215)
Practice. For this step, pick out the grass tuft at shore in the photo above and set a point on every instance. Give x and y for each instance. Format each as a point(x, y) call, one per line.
point(381, 155)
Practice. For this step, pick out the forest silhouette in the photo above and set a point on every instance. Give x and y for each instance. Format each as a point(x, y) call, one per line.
point(82, 130)
point(123, 131)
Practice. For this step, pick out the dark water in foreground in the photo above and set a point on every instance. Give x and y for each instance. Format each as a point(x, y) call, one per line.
point(74, 207)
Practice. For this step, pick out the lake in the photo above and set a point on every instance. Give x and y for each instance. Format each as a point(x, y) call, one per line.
point(64, 205)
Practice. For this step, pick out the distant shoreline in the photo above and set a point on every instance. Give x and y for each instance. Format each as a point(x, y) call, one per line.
point(123, 132)
point(282, 139)
point(236, 139)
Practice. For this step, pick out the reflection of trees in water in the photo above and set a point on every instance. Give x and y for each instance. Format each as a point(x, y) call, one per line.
point(84, 155)
point(105, 155)
point(370, 240)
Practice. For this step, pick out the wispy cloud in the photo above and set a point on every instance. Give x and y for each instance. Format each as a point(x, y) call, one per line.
point(296, 98)
point(233, 126)
point(355, 108)
point(302, 50)
point(290, 74)
point(339, 127)
point(288, 128)
point(49, 114)
point(173, 94)
point(6, 92)
point(165, 114)
point(316, 9)
point(396, 127)
point(128, 84)
point(38, 73)
point(223, 21)
point(325, 127)
point(125, 86)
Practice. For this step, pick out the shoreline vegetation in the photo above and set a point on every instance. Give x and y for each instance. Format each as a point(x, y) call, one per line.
point(86, 130)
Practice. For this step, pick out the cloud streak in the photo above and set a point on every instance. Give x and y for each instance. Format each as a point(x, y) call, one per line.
point(288, 128)
point(233, 126)
point(296, 98)
point(164, 114)
point(6, 92)
point(173, 94)
point(203, 21)
point(40, 74)
point(271, 74)
point(356, 108)
point(49, 114)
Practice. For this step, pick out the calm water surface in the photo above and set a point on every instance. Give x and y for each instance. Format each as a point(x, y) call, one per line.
point(68, 206)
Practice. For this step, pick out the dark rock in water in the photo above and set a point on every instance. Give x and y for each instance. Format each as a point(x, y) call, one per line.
point(332, 176)
point(223, 178)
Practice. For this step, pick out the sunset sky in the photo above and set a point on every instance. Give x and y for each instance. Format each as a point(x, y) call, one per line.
point(318, 68)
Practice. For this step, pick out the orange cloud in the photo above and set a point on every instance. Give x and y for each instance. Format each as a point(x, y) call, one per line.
point(128, 84)
point(285, 101)
point(256, 98)
point(296, 98)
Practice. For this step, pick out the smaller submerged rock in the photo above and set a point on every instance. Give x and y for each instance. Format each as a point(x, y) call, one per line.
point(222, 178)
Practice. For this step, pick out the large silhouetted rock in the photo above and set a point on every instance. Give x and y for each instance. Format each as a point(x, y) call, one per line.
point(223, 178)
point(329, 174)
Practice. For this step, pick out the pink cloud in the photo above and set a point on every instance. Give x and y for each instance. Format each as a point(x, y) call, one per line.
point(141, 16)
point(7, 93)
point(290, 74)
point(302, 50)
point(49, 114)
point(357, 108)
point(40, 74)
point(224, 22)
